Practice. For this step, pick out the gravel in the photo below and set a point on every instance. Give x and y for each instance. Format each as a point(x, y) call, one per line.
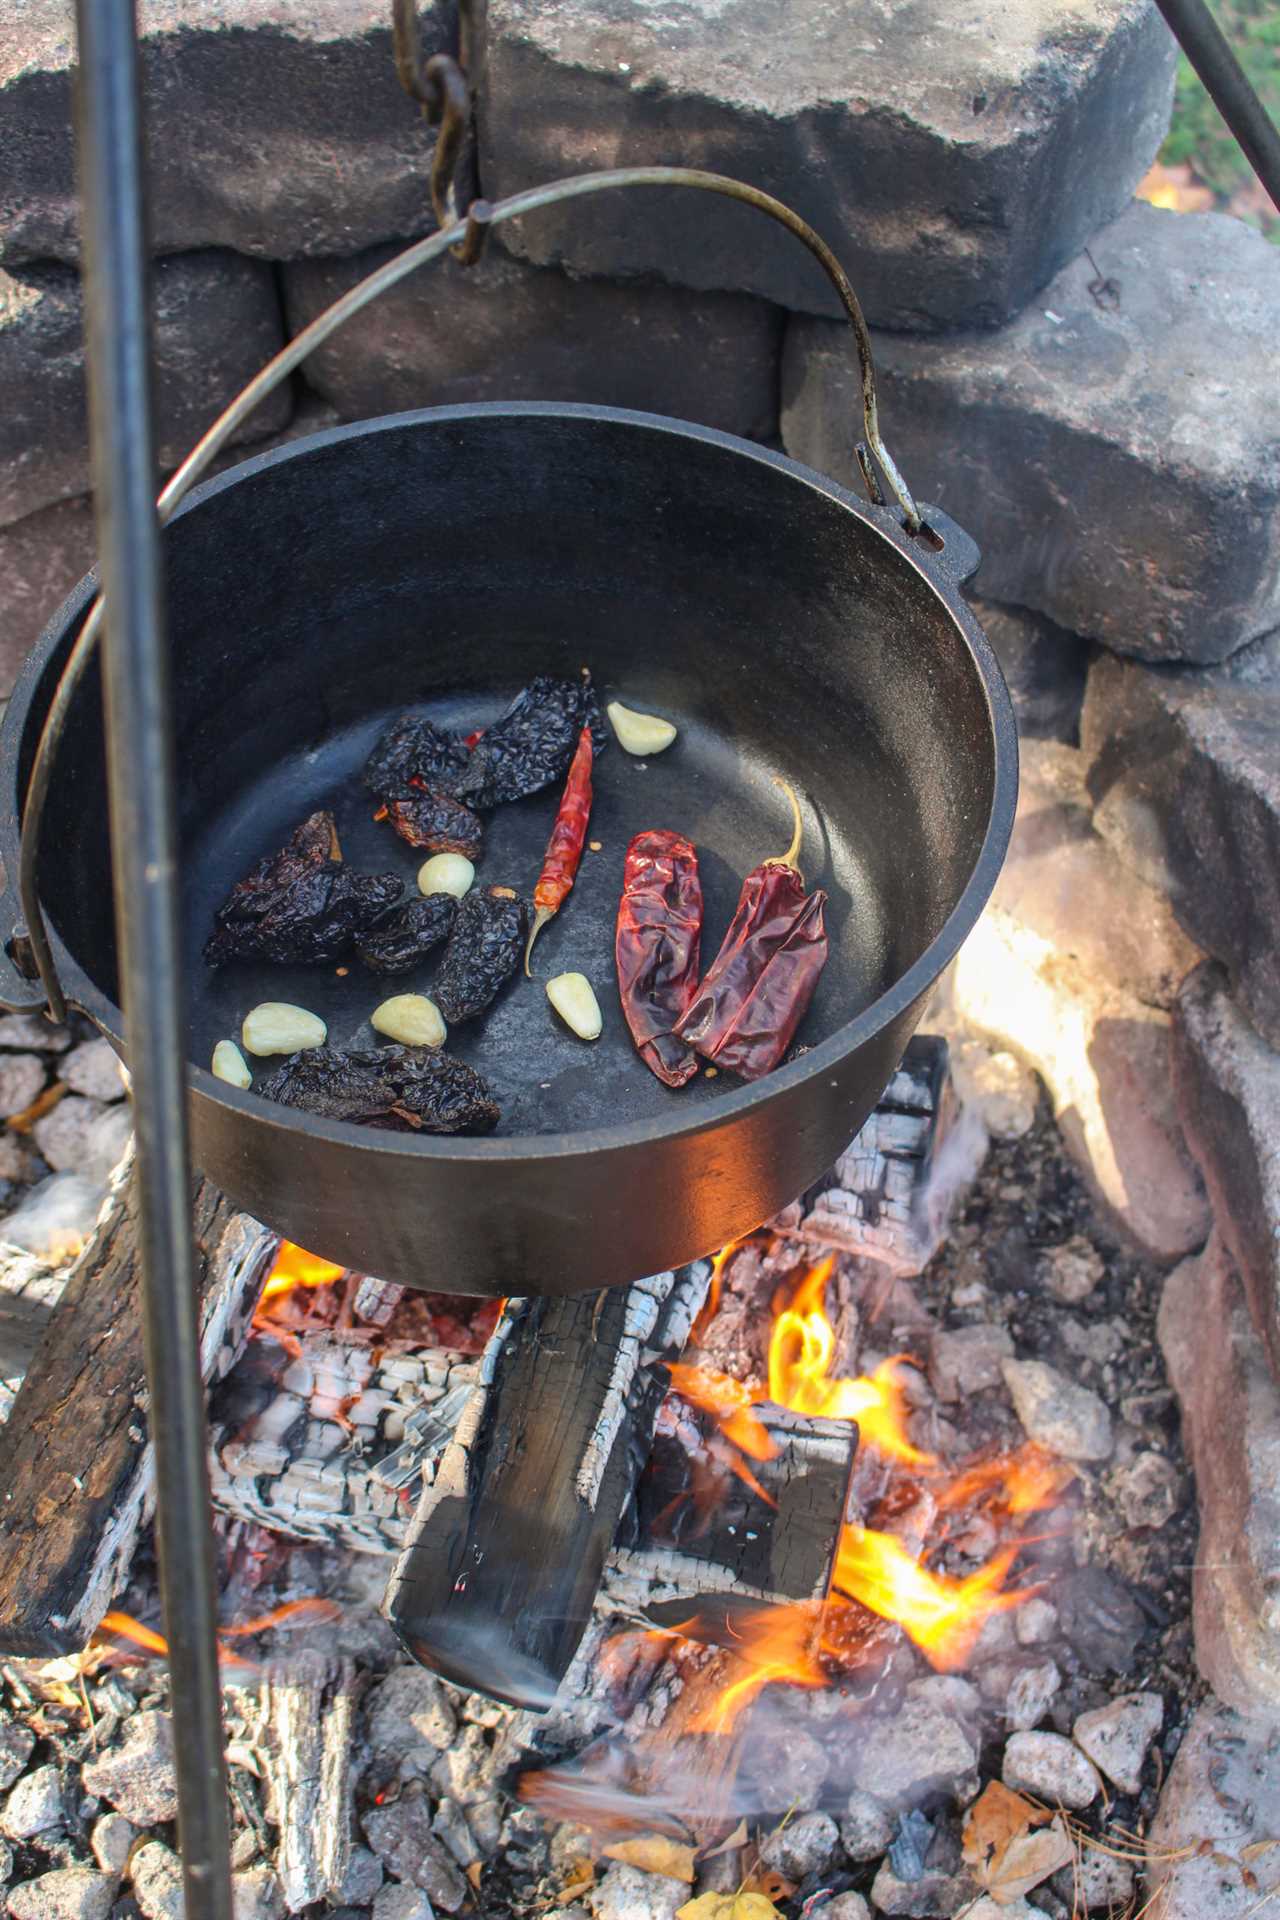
point(912, 1755)
point(399, 1902)
point(411, 1722)
point(17, 1744)
point(1050, 1767)
point(400, 1834)
point(157, 1882)
point(865, 1829)
point(22, 1077)
point(804, 1845)
point(137, 1777)
point(69, 1893)
point(625, 1893)
point(111, 1840)
point(1117, 1737)
point(1055, 1413)
point(34, 1805)
point(93, 1068)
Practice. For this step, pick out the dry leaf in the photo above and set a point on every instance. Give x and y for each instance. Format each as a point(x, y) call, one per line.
point(738, 1838)
point(474, 1873)
point(1256, 1847)
point(1010, 1845)
point(773, 1885)
point(655, 1853)
point(728, 1906)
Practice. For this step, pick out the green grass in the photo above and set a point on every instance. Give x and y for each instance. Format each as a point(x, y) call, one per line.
point(1198, 135)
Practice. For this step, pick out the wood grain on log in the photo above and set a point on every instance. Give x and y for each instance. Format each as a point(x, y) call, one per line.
point(303, 1735)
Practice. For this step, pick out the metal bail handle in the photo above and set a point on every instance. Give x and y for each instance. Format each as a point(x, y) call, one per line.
point(465, 237)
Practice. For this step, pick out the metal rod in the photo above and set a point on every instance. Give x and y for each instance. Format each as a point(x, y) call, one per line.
point(1228, 86)
point(140, 761)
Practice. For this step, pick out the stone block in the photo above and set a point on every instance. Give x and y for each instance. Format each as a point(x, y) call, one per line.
point(1210, 1846)
point(1231, 1426)
point(1184, 772)
point(1044, 666)
point(274, 129)
point(1228, 1085)
point(506, 331)
point(216, 319)
point(953, 159)
point(1115, 450)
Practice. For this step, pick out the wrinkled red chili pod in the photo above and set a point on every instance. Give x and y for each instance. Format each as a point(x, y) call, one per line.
point(564, 848)
point(657, 948)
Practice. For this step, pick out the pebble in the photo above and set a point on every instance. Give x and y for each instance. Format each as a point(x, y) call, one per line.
point(22, 1077)
point(625, 1893)
point(111, 1840)
point(846, 1906)
point(56, 1217)
point(1073, 1271)
point(411, 1722)
point(1100, 1341)
point(465, 1772)
point(967, 1360)
point(987, 1909)
point(137, 1776)
point(93, 1068)
point(6, 1863)
point(917, 1752)
point(398, 1902)
point(1057, 1414)
point(1030, 1695)
point(789, 1772)
point(18, 1163)
point(1035, 1621)
point(256, 1895)
point(933, 1895)
point(400, 1834)
point(804, 1845)
point(108, 1137)
point(948, 1693)
point(1116, 1738)
point(156, 1874)
point(31, 1031)
point(1147, 1491)
point(1050, 1767)
point(451, 1824)
point(69, 1893)
point(865, 1829)
point(1003, 1091)
point(62, 1134)
point(1096, 1881)
point(363, 1878)
point(17, 1743)
point(34, 1805)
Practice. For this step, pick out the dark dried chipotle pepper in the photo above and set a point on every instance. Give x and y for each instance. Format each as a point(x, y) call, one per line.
point(656, 949)
point(758, 988)
point(532, 744)
point(411, 1089)
point(406, 936)
point(483, 952)
point(300, 906)
point(434, 822)
point(413, 748)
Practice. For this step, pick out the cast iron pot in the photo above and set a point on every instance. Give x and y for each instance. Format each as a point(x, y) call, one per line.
point(440, 559)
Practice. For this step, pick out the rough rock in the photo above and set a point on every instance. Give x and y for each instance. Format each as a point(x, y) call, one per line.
point(1097, 1882)
point(1115, 450)
point(1228, 1085)
point(988, 1909)
point(107, 1137)
point(69, 1893)
point(1044, 666)
point(788, 1773)
point(273, 129)
point(56, 1217)
point(400, 1834)
point(625, 1893)
point(22, 1078)
point(1072, 1271)
point(17, 1744)
point(363, 1878)
point(865, 1828)
point(1117, 1737)
point(23, 1032)
point(1221, 1798)
point(1035, 1621)
point(1184, 771)
point(217, 321)
point(932, 1894)
point(1216, 1364)
point(996, 1086)
point(1031, 1692)
point(62, 1134)
point(1050, 1767)
point(396, 1901)
point(256, 1895)
point(156, 1873)
point(111, 1839)
point(137, 1777)
point(1147, 1490)
point(93, 1069)
point(507, 331)
point(948, 1693)
point(465, 1772)
point(953, 161)
point(34, 1804)
point(411, 1722)
point(804, 1845)
point(1056, 1413)
point(967, 1360)
point(847, 1906)
point(916, 1752)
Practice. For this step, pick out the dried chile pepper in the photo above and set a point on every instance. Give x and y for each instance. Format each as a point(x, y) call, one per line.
point(301, 905)
point(483, 952)
point(411, 1089)
point(413, 748)
point(398, 942)
point(757, 990)
point(656, 949)
point(436, 823)
point(564, 848)
point(532, 744)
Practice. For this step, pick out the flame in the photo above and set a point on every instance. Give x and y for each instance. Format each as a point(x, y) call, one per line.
point(711, 1305)
point(296, 1613)
point(295, 1267)
point(730, 1401)
point(942, 1615)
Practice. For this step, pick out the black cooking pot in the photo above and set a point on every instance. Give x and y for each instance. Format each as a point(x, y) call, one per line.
point(439, 560)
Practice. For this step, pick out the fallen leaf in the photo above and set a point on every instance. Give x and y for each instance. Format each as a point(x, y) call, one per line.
point(1256, 1847)
point(773, 1885)
point(1010, 1845)
point(474, 1873)
point(728, 1906)
point(738, 1838)
point(655, 1853)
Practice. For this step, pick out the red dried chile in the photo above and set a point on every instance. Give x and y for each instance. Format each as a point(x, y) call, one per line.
point(657, 949)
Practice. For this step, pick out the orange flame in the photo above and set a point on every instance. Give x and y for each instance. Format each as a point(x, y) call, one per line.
point(295, 1613)
point(295, 1267)
point(942, 1615)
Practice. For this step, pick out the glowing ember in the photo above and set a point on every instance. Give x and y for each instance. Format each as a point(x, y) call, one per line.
point(295, 1267)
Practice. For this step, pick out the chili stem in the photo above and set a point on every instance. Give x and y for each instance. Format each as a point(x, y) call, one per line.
point(539, 921)
point(791, 857)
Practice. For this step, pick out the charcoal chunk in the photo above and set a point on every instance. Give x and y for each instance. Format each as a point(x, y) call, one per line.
point(397, 942)
point(413, 748)
point(483, 953)
point(301, 905)
point(410, 1089)
point(436, 823)
point(534, 741)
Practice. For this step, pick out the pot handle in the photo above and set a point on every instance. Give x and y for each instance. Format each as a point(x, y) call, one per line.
point(464, 236)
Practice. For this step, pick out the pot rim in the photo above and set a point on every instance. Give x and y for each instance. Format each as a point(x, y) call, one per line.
point(827, 1055)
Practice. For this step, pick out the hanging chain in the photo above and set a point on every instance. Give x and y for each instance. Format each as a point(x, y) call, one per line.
point(440, 87)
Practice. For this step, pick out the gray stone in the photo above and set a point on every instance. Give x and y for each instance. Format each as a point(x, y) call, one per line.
point(1035, 1621)
point(805, 1845)
point(451, 1824)
point(137, 1777)
point(22, 1077)
point(217, 320)
point(6, 1863)
point(967, 1360)
point(396, 1901)
point(1222, 1797)
point(933, 1894)
point(56, 1217)
point(788, 1772)
point(273, 129)
point(62, 1134)
point(17, 1744)
point(1097, 1882)
point(1184, 770)
point(988, 1909)
point(1116, 459)
point(256, 1895)
point(916, 1752)
point(465, 1772)
point(1073, 1271)
point(93, 1069)
point(1097, 1341)
point(625, 1893)
point(865, 1828)
point(31, 1032)
point(156, 1874)
point(1057, 1414)
point(362, 1879)
point(1147, 1490)
point(846, 1906)
point(953, 161)
point(1050, 1767)
point(1228, 1085)
point(111, 1840)
point(70, 1893)
point(400, 1834)
point(107, 1137)
point(1231, 1429)
point(948, 1693)
point(34, 1805)
point(507, 331)
point(1031, 1693)
point(1117, 1737)
point(411, 1721)
point(1044, 667)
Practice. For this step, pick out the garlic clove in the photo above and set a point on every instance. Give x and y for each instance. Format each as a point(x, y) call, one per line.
point(411, 1019)
point(229, 1064)
point(572, 996)
point(446, 873)
point(277, 1027)
point(639, 733)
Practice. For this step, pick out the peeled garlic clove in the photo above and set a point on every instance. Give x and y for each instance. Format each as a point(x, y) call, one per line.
point(229, 1064)
point(411, 1019)
point(639, 733)
point(574, 1000)
point(276, 1027)
point(446, 873)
